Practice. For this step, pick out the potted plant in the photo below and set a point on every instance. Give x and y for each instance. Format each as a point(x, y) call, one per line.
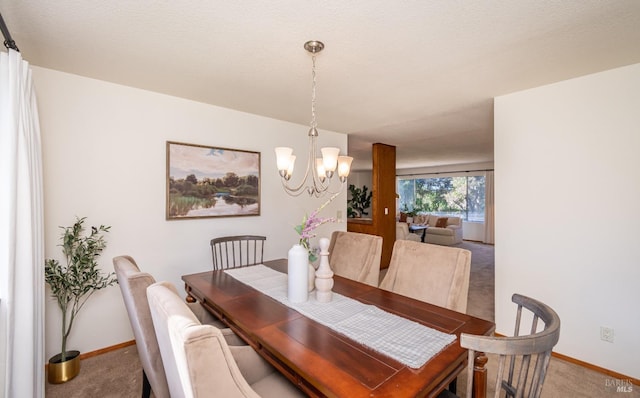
point(72, 283)
point(359, 202)
point(409, 213)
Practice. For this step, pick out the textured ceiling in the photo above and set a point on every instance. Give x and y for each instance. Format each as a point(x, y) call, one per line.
point(420, 75)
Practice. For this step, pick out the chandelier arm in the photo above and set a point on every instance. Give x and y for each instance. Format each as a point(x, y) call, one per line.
point(298, 189)
point(319, 193)
point(318, 185)
point(289, 191)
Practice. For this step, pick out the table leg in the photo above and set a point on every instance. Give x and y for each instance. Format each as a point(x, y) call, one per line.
point(189, 298)
point(480, 375)
point(424, 234)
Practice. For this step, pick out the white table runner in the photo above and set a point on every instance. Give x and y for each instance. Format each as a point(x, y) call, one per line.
point(404, 340)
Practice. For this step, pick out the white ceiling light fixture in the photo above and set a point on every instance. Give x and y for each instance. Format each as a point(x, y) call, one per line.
point(320, 169)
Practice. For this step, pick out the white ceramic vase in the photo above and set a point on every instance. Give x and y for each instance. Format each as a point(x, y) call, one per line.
point(324, 275)
point(298, 274)
point(311, 278)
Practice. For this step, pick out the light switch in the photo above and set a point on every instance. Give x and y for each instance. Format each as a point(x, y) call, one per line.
point(386, 211)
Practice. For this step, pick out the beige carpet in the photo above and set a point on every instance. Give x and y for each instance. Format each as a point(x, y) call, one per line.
point(118, 374)
point(481, 299)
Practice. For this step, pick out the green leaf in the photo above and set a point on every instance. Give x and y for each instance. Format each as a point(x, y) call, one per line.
point(74, 281)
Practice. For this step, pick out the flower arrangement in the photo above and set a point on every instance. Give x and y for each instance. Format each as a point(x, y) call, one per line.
point(309, 224)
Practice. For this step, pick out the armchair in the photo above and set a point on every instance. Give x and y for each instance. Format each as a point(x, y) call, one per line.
point(402, 232)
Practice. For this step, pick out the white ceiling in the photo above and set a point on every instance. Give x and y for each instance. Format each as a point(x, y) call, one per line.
point(419, 75)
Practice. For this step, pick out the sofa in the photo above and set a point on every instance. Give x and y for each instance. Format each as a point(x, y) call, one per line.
point(441, 230)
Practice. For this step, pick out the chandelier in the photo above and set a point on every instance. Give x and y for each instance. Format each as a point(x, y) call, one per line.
point(320, 170)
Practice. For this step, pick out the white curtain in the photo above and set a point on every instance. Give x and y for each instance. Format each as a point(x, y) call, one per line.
point(21, 233)
point(489, 228)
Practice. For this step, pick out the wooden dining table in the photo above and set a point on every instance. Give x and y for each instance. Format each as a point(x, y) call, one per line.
point(319, 360)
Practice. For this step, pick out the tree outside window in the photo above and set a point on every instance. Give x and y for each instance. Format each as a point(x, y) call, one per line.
point(448, 196)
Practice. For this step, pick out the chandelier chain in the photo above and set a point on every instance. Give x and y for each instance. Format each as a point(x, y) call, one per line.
point(319, 171)
point(314, 124)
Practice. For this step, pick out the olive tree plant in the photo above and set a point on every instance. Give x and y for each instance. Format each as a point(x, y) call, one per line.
point(78, 277)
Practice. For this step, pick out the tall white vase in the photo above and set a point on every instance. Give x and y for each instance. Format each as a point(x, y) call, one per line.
point(312, 277)
point(298, 274)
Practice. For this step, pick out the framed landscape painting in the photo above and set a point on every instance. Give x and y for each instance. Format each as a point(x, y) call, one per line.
point(205, 181)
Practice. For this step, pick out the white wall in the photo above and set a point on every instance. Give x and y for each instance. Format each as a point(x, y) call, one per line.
point(473, 231)
point(567, 178)
point(359, 179)
point(105, 158)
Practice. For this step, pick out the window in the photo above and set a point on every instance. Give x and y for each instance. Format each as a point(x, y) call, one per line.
point(447, 196)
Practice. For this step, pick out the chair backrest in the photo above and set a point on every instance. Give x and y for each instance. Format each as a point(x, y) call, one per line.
point(528, 355)
point(356, 256)
point(402, 230)
point(199, 362)
point(431, 273)
point(133, 285)
point(237, 251)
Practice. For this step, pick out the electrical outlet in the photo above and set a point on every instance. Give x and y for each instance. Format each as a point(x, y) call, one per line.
point(606, 334)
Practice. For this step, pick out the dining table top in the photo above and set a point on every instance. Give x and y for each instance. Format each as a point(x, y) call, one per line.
point(321, 361)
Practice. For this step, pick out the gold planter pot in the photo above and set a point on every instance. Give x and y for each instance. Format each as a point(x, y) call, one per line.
point(61, 372)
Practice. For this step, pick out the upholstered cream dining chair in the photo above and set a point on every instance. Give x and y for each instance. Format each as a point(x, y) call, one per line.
point(356, 256)
point(133, 285)
point(434, 274)
point(199, 363)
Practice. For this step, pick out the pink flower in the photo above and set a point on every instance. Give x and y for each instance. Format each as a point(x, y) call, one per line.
point(309, 224)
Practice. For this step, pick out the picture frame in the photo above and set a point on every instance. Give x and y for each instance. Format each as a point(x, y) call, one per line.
point(206, 181)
